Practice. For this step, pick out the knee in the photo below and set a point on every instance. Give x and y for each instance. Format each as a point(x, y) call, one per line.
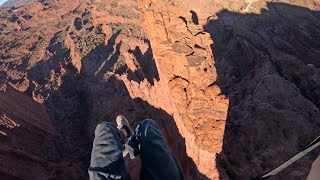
point(147, 127)
point(148, 121)
point(103, 126)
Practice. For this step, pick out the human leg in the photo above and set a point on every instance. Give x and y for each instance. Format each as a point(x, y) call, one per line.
point(157, 161)
point(106, 158)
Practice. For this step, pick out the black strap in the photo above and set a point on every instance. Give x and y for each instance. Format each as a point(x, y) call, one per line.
point(315, 143)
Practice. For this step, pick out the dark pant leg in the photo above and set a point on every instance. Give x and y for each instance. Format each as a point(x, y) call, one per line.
point(106, 156)
point(157, 161)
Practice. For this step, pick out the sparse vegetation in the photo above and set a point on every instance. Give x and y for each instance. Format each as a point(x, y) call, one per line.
point(114, 3)
point(101, 6)
point(124, 11)
point(128, 29)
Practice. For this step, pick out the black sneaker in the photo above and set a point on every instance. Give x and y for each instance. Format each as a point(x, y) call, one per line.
point(123, 123)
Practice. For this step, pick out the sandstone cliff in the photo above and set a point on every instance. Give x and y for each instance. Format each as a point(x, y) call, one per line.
point(234, 86)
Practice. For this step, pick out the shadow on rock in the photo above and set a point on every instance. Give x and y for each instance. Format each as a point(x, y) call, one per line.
point(268, 66)
point(147, 68)
point(109, 99)
point(101, 58)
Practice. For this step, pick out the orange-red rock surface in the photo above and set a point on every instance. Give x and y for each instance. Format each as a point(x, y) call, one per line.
point(233, 85)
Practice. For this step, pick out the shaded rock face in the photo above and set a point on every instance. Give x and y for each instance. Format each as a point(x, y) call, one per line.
point(267, 65)
point(233, 86)
point(30, 145)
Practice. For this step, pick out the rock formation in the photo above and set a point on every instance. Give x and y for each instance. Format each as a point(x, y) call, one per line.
point(234, 86)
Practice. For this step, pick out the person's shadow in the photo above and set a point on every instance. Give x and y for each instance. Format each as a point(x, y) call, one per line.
point(268, 66)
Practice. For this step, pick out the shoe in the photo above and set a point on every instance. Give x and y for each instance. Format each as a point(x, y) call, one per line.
point(123, 123)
